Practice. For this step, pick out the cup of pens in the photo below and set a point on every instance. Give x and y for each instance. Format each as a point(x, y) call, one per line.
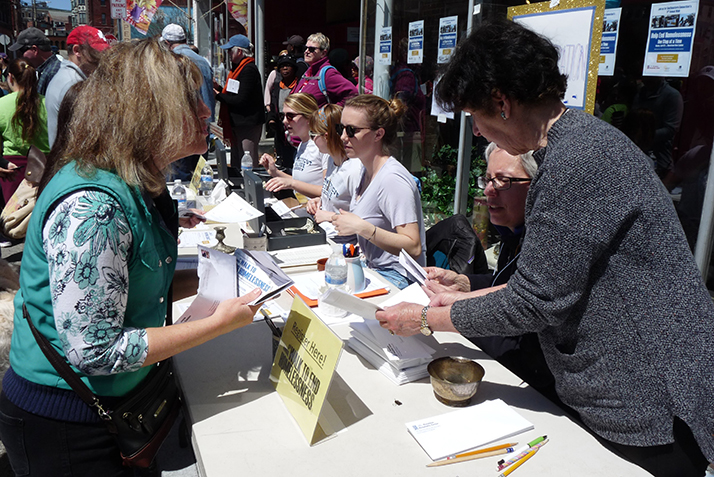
point(455, 380)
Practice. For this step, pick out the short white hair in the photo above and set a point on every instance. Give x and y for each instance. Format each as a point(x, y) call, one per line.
point(528, 162)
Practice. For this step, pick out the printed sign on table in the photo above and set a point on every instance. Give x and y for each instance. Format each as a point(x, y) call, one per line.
point(416, 42)
point(447, 38)
point(385, 46)
point(303, 370)
point(670, 39)
point(608, 45)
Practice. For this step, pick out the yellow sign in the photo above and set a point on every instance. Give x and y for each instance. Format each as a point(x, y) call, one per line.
point(304, 366)
point(667, 58)
point(196, 177)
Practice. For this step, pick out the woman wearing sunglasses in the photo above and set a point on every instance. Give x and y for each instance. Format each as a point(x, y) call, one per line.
point(385, 211)
point(310, 164)
point(342, 175)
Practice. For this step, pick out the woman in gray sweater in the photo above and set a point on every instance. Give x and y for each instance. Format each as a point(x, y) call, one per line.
point(605, 276)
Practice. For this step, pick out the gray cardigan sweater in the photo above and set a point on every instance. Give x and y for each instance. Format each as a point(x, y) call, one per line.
point(607, 280)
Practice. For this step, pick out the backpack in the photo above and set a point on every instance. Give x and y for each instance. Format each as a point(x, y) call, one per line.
point(321, 80)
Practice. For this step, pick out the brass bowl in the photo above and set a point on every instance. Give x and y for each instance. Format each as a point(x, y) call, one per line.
point(455, 380)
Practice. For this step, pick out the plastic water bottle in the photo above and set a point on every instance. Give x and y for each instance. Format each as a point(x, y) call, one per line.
point(335, 277)
point(336, 269)
point(206, 186)
point(246, 162)
point(178, 193)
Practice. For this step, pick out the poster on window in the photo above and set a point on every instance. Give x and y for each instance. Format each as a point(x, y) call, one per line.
point(608, 45)
point(415, 54)
point(385, 46)
point(670, 38)
point(575, 28)
point(447, 38)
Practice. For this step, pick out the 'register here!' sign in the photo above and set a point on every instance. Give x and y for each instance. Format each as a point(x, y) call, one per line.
point(303, 368)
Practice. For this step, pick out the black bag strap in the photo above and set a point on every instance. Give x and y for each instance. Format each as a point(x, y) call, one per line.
point(64, 370)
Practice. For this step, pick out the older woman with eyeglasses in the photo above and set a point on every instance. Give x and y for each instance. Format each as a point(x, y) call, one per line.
point(336, 89)
point(342, 175)
point(310, 164)
point(385, 211)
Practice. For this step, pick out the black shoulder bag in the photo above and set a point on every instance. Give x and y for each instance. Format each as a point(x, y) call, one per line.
point(142, 420)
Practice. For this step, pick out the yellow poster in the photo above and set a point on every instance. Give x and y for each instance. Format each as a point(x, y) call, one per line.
point(196, 177)
point(304, 366)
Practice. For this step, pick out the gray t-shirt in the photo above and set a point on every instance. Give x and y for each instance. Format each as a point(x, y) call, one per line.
point(309, 163)
point(390, 200)
point(67, 76)
point(340, 184)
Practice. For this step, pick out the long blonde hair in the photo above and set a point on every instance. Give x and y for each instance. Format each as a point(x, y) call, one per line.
point(132, 113)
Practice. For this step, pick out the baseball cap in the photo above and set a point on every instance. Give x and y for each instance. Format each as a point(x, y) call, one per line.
point(29, 37)
point(173, 32)
point(240, 41)
point(287, 60)
point(87, 35)
point(295, 40)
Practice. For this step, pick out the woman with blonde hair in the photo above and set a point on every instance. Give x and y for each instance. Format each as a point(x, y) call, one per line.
point(310, 164)
point(342, 175)
point(23, 123)
point(385, 211)
point(99, 259)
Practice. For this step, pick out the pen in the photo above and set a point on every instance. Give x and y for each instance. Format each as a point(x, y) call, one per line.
point(471, 456)
point(519, 463)
point(270, 323)
point(526, 447)
point(502, 465)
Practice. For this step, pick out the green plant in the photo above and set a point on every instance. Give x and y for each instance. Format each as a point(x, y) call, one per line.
point(439, 180)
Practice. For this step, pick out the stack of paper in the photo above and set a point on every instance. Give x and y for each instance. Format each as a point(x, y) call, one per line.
point(468, 428)
point(401, 359)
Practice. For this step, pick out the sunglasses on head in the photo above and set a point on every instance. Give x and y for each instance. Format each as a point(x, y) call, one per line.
point(312, 49)
point(289, 116)
point(350, 130)
point(313, 135)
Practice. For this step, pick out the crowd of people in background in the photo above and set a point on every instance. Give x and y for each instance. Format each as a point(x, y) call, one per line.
point(554, 175)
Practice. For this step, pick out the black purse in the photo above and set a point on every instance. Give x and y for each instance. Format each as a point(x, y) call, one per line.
point(142, 420)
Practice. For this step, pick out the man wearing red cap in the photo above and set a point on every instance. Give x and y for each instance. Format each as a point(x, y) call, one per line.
point(84, 46)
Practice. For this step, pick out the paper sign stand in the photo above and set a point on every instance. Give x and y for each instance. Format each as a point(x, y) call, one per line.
point(303, 372)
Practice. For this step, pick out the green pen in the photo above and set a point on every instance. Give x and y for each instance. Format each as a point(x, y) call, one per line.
point(528, 446)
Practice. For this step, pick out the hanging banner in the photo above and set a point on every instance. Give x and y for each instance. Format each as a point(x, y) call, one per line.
point(239, 11)
point(608, 46)
point(385, 46)
point(670, 39)
point(416, 42)
point(140, 13)
point(447, 38)
point(575, 28)
point(118, 9)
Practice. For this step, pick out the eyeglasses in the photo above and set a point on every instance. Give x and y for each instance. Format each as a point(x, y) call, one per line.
point(499, 183)
point(312, 49)
point(313, 135)
point(290, 116)
point(350, 130)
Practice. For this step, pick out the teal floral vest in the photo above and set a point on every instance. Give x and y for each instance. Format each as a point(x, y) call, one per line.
point(151, 266)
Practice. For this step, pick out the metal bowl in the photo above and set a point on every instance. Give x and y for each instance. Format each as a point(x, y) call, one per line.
point(455, 380)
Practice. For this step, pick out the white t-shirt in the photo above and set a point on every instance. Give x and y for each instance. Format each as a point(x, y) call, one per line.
point(390, 200)
point(340, 184)
point(309, 163)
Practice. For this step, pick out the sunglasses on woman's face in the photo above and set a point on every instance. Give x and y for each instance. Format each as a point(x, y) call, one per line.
point(350, 130)
point(290, 116)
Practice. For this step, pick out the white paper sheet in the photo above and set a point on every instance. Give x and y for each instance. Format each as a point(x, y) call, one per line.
point(412, 267)
point(233, 209)
point(468, 428)
point(233, 86)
